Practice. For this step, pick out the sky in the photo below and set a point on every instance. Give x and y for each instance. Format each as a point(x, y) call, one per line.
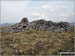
point(14, 11)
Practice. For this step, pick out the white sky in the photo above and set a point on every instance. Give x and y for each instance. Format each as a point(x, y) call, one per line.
point(14, 11)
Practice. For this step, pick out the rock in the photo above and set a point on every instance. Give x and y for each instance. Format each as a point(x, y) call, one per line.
point(41, 25)
point(24, 20)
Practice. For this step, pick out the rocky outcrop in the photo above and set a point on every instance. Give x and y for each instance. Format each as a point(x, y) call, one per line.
point(41, 25)
point(50, 26)
point(24, 20)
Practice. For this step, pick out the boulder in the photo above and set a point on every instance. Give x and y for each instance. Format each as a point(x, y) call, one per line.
point(24, 20)
point(41, 25)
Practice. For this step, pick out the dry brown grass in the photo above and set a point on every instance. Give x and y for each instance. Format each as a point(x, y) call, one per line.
point(33, 42)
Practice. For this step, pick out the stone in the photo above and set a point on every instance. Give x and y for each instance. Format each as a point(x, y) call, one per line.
point(24, 20)
point(41, 25)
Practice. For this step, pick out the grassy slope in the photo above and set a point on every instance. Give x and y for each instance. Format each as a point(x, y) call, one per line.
point(35, 42)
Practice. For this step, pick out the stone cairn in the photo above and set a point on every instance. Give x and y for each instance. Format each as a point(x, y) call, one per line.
point(41, 25)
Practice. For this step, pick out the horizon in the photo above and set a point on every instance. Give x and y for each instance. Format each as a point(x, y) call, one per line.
point(35, 20)
point(56, 11)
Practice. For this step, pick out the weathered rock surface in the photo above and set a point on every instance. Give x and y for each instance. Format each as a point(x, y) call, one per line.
point(41, 25)
point(24, 20)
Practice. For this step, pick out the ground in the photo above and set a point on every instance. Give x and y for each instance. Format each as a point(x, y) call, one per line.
point(34, 42)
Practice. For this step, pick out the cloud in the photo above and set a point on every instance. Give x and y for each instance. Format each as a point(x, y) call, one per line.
point(63, 15)
point(62, 6)
point(13, 10)
point(43, 16)
point(73, 13)
point(36, 14)
point(14, 6)
point(40, 16)
point(49, 7)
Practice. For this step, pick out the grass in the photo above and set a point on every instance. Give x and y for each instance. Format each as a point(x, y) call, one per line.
point(34, 42)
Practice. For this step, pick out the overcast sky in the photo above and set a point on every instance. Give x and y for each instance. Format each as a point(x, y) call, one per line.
point(14, 11)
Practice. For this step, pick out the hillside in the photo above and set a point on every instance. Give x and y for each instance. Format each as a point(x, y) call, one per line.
point(36, 42)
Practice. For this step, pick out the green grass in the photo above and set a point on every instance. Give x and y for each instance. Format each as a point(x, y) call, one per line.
point(34, 42)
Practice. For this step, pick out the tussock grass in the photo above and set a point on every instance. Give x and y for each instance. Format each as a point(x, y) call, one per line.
point(34, 42)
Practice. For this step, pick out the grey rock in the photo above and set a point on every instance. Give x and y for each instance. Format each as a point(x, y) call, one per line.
point(41, 25)
point(24, 20)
